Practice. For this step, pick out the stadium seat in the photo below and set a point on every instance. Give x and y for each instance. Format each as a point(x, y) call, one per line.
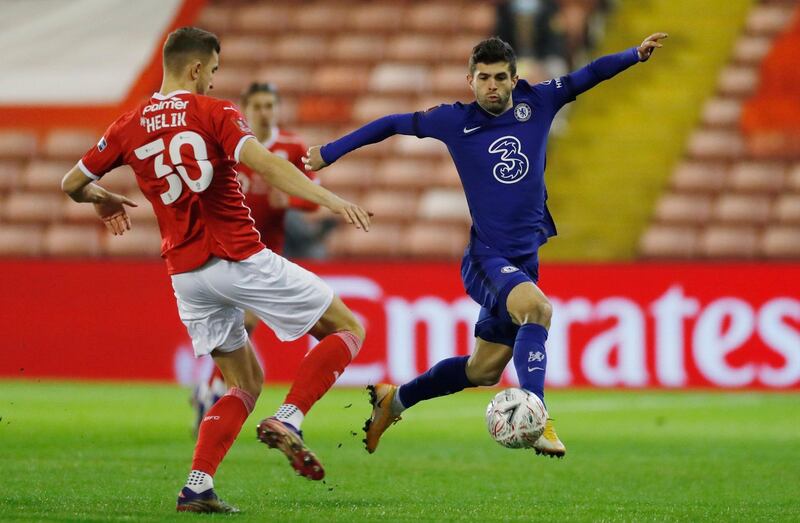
point(757, 177)
point(793, 179)
point(142, 215)
point(434, 17)
point(682, 208)
point(244, 50)
point(457, 48)
point(300, 48)
point(450, 78)
point(446, 175)
point(376, 17)
point(46, 175)
point(715, 145)
point(140, 242)
point(349, 173)
point(722, 112)
point(17, 144)
point(391, 205)
point(120, 180)
point(669, 241)
point(738, 81)
point(80, 213)
point(751, 49)
point(10, 174)
point(382, 241)
point(781, 241)
point(20, 240)
point(396, 77)
point(445, 205)
point(360, 48)
point(216, 18)
point(72, 240)
point(231, 81)
point(288, 78)
point(320, 18)
point(478, 17)
point(370, 108)
point(69, 144)
point(427, 240)
point(261, 18)
point(411, 146)
point(768, 19)
point(345, 79)
point(414, 47)
point(25, 207)
point(742, 209)
point(405, 173)
point(787, 209)
point(727, 242)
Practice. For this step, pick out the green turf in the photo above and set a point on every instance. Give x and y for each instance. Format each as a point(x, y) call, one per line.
point(120, 452)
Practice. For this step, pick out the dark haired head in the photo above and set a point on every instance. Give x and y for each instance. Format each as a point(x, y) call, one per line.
point(491, 51)
point(187, 43)
point(258, 87)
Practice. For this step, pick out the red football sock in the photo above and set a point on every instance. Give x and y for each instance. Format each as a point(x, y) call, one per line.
point(219, 428)
point(321, 367)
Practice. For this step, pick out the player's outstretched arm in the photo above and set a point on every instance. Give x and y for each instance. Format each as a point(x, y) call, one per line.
point(110, 207)
point(376, 131)
point(283, 175)
point(609, 66)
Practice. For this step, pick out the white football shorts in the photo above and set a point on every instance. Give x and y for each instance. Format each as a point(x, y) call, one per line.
point(212, 299)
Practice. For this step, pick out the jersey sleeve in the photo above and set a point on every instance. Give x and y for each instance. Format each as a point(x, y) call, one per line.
point(231, 129)
point(554, 93)
point(104, 156)
point(436, 122)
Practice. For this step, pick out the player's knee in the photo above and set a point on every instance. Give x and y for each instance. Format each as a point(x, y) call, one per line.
point(483, 375)
point(534, 311)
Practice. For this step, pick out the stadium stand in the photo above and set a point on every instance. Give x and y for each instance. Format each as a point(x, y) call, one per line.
point(734, 190)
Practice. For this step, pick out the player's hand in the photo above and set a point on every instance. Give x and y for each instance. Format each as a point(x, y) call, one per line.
point(313, 159)
point(352, 213)
point(649, 45)
point(112, 211)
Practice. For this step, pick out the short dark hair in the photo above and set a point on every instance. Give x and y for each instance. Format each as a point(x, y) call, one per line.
point(186, 43)
point(259, 87)
point(491, 51)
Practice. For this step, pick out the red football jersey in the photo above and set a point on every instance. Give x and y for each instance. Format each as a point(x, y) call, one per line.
point(269, 220)
point(183, 148)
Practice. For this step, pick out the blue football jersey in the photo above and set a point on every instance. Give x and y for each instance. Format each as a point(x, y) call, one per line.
point(501, 162)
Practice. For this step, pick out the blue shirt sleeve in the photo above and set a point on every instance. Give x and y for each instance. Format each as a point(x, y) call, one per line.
point(373, 132)
point(561, 91)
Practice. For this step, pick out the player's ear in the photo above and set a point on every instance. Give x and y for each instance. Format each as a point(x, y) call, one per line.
point(195, 70)
point(514, 80)
point(470, 79)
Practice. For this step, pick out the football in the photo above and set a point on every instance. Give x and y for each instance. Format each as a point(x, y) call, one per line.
point(515, 418)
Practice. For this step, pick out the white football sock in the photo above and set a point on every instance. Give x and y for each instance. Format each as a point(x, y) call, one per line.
point(290, 414)
point(397, 406)
point(199, 481)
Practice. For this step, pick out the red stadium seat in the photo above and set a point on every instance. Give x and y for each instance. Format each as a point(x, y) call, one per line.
point(684, 208)
point(446, 175)
point(348, 48)
point(80, 213)
point(376, 17)
point(444, 205)
point(382, 241)
point(722, 112)
point(120, 180)
point(726, 242)
point(669, 242)
point(414, 48)
point(143, 215)
point(72, 240)
point(716, 145)
point(320, 17)
point(288, 78)
point(395, 77)
point(699, 177)
point(391, 205)
point(368, 108)
point(478, 17)
point(69, 144)
point(434, 17)
point(757, 177)
point(451, 79)
point(140, 242)
point(345, 79)
point(231, 81)
point(24, 207)
point(216, 18)
point(411, 146)
point(458, 48)
point(787, 209)
point(245, 50)
point(262, 18)
point(10, 174)
point(45, 175)
point(739, 81)
point(348, 174)
point(300, 48)
point(768, 19)
point(781, 241)
point(793, 179)
point(427, 240)
point(742, 209)
point(405, 173)
point(20, 240)
point(17, 144)
point(751, 49)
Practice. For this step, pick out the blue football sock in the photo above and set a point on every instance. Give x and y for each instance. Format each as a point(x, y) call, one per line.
point(446, 377)
point(530, 358)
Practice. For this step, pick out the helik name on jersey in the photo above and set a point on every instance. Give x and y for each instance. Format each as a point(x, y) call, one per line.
point(160, 121)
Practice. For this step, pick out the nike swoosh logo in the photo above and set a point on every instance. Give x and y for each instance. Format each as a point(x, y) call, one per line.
point(531, 369)
point(467, 131)
point(228, 109)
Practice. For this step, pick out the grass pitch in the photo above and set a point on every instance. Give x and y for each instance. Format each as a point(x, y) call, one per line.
point(101, 452)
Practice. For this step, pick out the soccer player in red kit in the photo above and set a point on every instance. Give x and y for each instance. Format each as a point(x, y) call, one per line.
point(183, 146)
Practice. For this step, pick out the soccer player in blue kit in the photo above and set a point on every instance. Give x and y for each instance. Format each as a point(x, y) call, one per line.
point(498, 145)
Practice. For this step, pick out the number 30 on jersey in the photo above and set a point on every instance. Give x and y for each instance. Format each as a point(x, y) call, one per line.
point(158, 149)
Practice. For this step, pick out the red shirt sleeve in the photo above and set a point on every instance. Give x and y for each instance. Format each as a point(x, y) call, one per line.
point(104, 156)
point(297, 159)
point(231, 128)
